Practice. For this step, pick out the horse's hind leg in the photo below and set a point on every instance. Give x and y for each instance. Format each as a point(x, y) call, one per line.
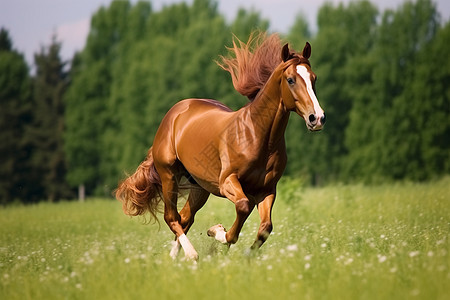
point(197, 198)
point(171, 215)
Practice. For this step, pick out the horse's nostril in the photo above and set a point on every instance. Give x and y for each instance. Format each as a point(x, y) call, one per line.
point(323, 119)
point(312, 118)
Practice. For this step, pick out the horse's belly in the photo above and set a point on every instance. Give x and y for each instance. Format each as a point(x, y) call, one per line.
point(197, 132)
point(203, 164)
point(210, 186)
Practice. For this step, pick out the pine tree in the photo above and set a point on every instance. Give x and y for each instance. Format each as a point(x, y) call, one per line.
point(49, 86)
point(17, 179)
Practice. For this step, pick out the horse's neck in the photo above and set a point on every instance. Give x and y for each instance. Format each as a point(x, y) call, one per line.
point(268, 113)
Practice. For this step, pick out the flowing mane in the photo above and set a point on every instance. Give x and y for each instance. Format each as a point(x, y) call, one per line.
point(253, 62)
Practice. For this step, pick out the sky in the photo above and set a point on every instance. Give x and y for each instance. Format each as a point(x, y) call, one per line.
point(32, 23)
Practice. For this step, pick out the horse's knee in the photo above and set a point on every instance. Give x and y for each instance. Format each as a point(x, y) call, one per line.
point(173, 220)
point(169, 216)
point(186, 222)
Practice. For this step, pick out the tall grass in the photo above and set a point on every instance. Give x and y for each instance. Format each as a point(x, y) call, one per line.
point(341, 242)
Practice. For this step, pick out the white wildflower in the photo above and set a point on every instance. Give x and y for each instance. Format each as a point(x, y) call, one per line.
point(292, 248)
point(348, 261)
point(414, 253)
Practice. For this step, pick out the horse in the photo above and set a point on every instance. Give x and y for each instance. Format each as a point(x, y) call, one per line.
point(239, 155)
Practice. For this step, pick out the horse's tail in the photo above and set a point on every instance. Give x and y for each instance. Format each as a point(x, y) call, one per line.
point(141, 192)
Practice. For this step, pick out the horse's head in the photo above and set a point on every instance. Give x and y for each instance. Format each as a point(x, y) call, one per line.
point(298, 87)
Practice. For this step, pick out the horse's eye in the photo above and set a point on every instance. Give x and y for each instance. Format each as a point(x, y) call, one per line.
point(290, 81)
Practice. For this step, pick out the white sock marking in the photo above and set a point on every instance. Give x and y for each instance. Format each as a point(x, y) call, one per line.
point(189, 250)
point(176, 246)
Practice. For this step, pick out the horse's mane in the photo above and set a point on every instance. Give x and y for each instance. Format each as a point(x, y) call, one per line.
point(252, 63)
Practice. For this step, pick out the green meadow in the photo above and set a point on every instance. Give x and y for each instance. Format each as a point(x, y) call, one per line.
point(338, 242)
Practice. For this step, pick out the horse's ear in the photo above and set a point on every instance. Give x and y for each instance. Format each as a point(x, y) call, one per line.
point(307, 51)
point(285, 53)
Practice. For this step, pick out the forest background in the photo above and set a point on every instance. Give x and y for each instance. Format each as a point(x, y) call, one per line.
point(383, 80)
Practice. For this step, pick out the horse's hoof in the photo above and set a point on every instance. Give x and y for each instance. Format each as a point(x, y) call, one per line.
point(213, 230)
point(218, 232)
point(192, 257)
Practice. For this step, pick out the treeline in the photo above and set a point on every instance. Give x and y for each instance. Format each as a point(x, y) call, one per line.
point(384, 82)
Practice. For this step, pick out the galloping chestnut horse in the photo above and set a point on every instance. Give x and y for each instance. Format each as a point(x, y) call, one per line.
point(239, 155)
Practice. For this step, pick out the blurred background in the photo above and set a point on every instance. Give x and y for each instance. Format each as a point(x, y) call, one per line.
point(84, 86)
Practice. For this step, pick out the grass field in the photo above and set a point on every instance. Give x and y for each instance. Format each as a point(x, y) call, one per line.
point(340, 242)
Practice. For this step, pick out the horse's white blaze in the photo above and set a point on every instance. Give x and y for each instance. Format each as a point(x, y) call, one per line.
point(304, 74)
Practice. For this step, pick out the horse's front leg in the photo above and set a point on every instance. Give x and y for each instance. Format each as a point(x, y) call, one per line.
point(232, 189)
point(265, 214)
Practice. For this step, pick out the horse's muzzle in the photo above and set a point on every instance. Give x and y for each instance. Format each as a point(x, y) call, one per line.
point(315, 123)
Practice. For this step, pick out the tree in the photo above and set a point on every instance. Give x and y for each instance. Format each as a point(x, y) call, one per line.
point(46, 132)
point(410, 116)
point(430, 89)
point(299, 33)
point(16, 176)
point(246, 22)
point(389, 130)
point(88, 99)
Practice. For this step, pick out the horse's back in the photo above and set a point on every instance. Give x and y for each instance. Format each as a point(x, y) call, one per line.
point(192, 108)
point(199, 106)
